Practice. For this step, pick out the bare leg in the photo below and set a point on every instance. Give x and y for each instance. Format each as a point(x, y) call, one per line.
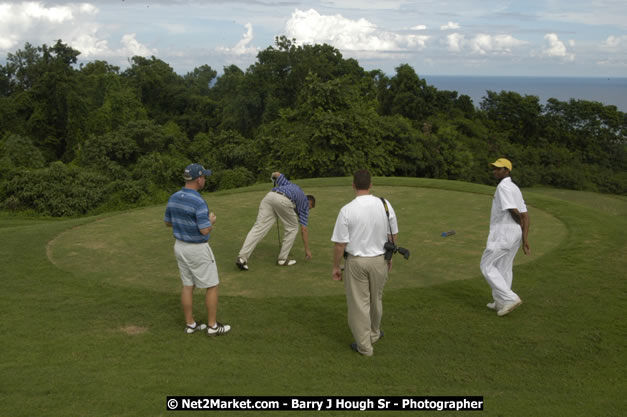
point(211, 302)
point(187, 303)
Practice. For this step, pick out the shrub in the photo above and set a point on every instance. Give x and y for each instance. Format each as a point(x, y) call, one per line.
point(58, 190)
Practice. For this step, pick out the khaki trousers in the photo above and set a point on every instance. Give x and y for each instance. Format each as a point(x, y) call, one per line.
point(273, 205)
point(364, 280)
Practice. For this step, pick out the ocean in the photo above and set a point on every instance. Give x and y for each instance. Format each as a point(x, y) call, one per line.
point(605, 90)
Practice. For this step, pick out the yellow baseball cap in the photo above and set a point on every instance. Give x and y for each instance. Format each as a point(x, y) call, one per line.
point(502, 163)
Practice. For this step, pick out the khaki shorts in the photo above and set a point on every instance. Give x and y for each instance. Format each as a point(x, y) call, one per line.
point(197, 264)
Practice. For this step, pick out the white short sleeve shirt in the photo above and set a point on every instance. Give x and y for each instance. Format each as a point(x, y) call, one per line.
point(507, 196)
point(363, 225)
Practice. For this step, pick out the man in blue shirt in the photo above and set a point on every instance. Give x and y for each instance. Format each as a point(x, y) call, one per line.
point(188, 215)
point(288, 203)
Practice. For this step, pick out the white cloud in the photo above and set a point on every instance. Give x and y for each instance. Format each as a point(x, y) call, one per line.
point(615, 42)
point(242, 48)
point(132, 47)
point(90, 45)
point(555, 48)
point(73, 23)
point(37, 11)
point(454, 42)
point(348, 35)
point(19, 19)
point(419, 27)
point(450, 26)
point(483, 44)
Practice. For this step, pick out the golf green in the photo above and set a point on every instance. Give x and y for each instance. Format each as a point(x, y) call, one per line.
point(135, 248)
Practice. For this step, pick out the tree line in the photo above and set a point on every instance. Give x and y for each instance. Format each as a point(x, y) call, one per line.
point(78, 139)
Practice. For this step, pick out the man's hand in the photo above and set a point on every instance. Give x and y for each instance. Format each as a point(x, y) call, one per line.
point(212, 218)
point(526, 248)
point(307, 254)
point(337, 273)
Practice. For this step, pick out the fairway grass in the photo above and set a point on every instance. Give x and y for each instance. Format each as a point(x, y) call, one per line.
point(91, 321)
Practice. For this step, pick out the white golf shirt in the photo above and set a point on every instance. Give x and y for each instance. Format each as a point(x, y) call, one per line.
point(363, 225)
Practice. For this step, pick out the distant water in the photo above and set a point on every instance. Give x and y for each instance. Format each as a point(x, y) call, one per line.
point(605, 90)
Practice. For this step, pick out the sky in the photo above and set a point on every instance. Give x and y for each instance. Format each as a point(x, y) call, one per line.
point(566, 38)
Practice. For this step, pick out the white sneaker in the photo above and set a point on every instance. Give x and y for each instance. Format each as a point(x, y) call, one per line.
point(199, 326)
point(241, 264)
point(508, 308)
point(218, 330)
point(286, 262)
point(492, 305)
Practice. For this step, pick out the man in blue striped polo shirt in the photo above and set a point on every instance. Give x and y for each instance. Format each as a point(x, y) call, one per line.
point(188, 215)
point(288, 203)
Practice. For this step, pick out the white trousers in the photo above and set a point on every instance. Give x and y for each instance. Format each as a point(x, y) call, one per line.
point(272, 206)
point(498, 260)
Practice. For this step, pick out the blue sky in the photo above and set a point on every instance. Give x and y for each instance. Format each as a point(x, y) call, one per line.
point(443, 37)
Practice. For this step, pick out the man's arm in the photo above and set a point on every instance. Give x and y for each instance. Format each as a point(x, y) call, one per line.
point(305, 234)
point(393, 239)
point(524, 217)
point(515, 215)
point(338, 254)
point(207, 230)
point(523, 220)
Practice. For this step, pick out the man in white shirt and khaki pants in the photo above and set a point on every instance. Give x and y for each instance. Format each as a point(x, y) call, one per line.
point(361, 229)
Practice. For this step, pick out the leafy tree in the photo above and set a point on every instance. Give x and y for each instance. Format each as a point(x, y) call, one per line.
point(159, 88)
point(52, 108)
point(331, 132)
point(112, 104)
point(24, 67)
point(599, 132)
point(517, 116)
point(200, 80)
point(407, 95)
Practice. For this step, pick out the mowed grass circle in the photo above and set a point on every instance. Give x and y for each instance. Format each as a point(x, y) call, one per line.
point(135, 249)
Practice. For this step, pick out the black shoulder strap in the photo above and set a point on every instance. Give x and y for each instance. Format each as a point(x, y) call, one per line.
point(387, 211)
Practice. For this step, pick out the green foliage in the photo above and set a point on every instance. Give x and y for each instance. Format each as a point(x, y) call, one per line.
point(160, 89)
point(232, 178)
point(301, 109)
point(331, 132)
point(163, 170)
point(19, 152)
point(58, 190)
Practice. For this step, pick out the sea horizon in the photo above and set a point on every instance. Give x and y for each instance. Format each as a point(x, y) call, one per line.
point(606, 90)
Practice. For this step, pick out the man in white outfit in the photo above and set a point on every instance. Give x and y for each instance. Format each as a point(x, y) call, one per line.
point(361, 230)
point(509, 225)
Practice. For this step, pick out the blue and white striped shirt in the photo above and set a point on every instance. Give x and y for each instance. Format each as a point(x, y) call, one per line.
point(188, 212)
point(298, 197)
